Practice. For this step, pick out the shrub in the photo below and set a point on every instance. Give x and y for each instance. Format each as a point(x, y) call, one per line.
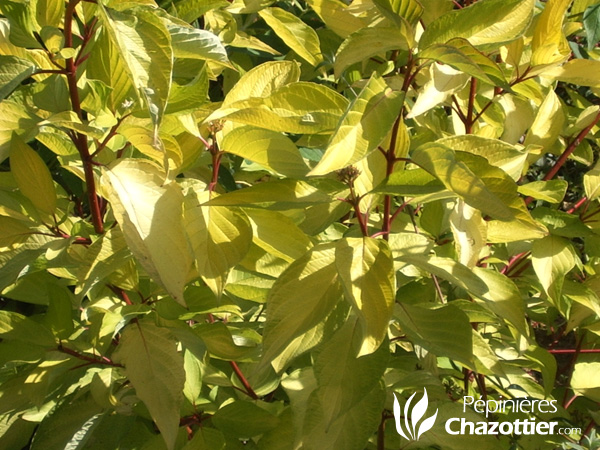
point(246, 224)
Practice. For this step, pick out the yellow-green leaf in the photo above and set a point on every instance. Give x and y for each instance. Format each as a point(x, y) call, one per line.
point(301, 38)
point(583, 72)
point(548, 123)
point(32, 176)
point(461, 55)
point(268, 148)
point(549, 44)
point(487, 23)
point(13, 70)
point(12, 231)
point(553, 257)
point(150, 214)
point(220, 237)
point(441, 162)
point(366, 270)
point(290, 311)
point(144, 45)
point(155, 369)
point(262, 80)
point(336, 16)
point(585, 380)
point(363, 127)
point(369, 42)
point(300, 107)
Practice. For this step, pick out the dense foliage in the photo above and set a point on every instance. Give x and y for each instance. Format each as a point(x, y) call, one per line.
point(247, 224)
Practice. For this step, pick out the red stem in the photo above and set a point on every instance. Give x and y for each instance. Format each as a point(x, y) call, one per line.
point(565, 155)
point(470, 120)
point(79, 139)
point(238, 373)
point(574, 350)
point(390, 156)
point(103, 361)
point(577, 205)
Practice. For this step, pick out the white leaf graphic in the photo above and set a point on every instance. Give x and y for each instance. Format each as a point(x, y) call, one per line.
point(427, 424)
point(406, 414)
point(397, 415)
point(419, 411)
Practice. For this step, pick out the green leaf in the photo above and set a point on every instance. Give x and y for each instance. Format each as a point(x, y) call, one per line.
point(102, 258)
point(343, 378)
point(552, 191)
point(410, 183)
point(149, 213)
point(69, 425)
point(336, 15)
point(352, 429)
point(591, 23)
point(206, 438)
point(561, 223)
point(487, 23)
point(395, 10)
point(283, 194)
point(13, 231)
point(15, 118)
point(369, 42)
point(577, 71)
point(272, 150)
point(193, 43)
point(366, 270)
point(290, 311)
point(155, 369)
point(422, 325)
point(242, 419)
point(461, 55)
point(443, 82)
point(32, 175)
point(262, 80)
point(267, 227)
point(553, 257)
point(13, 70)
point(14, 326)
point(301, 38)
point(441, 162)
point(591, 183)
point(49, 12)
point(144, 45)
point(448, 269)
point(220, 237)
point(547, 364)
point(549, 44)
point(503, 298)
point(219, 342)
point(548, 123)
point(300, 107)
point(105, 64)
point(363, 127)
point(585, 380)
point(470, 232)
point(497, 152)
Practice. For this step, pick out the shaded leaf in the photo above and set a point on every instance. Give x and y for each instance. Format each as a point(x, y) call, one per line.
point(155, 369)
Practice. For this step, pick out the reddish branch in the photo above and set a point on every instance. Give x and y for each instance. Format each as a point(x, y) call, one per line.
point(238, 373)
point(80, 139)
point(568, 151)
point(102, 360)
